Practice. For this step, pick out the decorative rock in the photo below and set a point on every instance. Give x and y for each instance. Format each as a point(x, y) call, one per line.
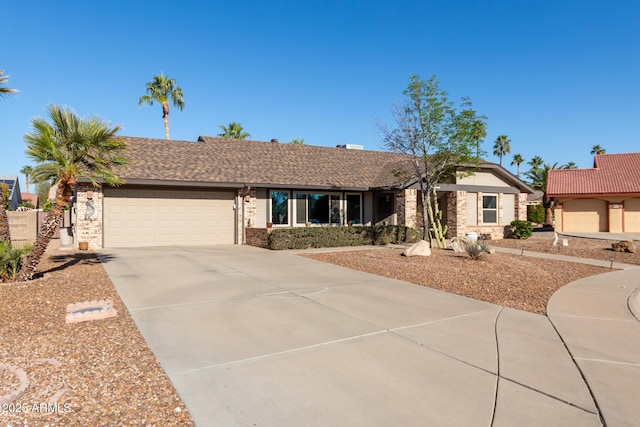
point(554, 242)
point(458, 244)
point(90, 310)
point(418, 249)
point(565, 242)
point(624, 246)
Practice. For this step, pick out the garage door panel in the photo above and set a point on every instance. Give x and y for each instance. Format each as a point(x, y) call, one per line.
point(632, 215)
point(585, 215)
point(167, 217)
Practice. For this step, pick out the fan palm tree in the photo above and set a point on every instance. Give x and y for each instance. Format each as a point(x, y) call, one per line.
point(162, 89)
point(26, 171)
point(5, 90)
point(478, 134)
point(68, 148)
point(502, 146)
point(538, 179)
point(570, 165)
point(517, 160)
point(535, 162)
point(4, 221)
point(233, 131)
point(297, 141)
point(596, 149)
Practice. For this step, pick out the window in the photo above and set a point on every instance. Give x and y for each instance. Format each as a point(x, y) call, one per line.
point(354, 208)
point(490, 209)
point(280, 207)
point(301, 208)
point(322, 208)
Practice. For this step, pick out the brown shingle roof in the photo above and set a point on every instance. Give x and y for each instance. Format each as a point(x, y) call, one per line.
point(612, 174)
point(242, 162)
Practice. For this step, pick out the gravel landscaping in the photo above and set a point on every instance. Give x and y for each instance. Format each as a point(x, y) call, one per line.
point(578, 247)
point(520, 282)
point(93, 373)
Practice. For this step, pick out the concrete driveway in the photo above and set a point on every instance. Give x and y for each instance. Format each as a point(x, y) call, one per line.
point(255, 337)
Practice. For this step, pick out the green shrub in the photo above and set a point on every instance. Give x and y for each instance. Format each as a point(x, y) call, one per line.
point(521, 229)
point(10, 260)
point(327, 237)
point(535, 214)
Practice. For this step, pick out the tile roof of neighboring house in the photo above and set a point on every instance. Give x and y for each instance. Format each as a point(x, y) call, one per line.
point(242, 162)
point(612, 174)
point(30, 197)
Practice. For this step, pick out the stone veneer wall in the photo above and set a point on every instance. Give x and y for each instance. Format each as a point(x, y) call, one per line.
point(85, 229)
point(407, 207)
point(521, 207)
point(249, 212)
point(258, 237)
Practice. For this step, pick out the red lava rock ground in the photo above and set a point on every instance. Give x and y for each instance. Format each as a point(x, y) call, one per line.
point(96, 373)
point(515, 281)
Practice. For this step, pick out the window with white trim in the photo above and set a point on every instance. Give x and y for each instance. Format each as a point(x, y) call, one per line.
point(489, 208)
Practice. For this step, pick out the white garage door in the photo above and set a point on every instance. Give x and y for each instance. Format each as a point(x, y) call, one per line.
point(143, 217)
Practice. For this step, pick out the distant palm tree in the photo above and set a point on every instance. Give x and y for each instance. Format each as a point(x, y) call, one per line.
point(297, 141)
point(502, 146)
point(69, 148)
point(4, 220)
point(26, 171)
point(478, 134)
point(233, 131)
point(517, 160)
point(596, 149)
point(5, 90)
point(538, 179)
point(161, 90)
point(570, 165)
point(535, 162)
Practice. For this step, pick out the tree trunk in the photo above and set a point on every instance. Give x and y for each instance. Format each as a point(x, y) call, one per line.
point(49, 226)
point(165, 117)
point(4, 221)
point(548, 215)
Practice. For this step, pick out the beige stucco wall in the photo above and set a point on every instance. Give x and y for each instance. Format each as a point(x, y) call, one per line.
point(482, 178)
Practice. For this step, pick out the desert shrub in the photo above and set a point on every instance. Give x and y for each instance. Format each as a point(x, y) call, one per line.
point(535, 214)
point(521, 229)
point(10, 260)
point(327, 237)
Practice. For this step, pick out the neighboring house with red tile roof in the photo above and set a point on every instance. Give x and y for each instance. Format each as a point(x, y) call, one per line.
point(603, 198)
point(31, 198)
point(224, 191)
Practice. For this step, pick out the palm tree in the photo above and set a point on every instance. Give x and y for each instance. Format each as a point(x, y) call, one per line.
point(538, 179)
point(68, 148)
point(4, 221)
point(297, 141)
point(596, 149)
point(161, 90)
point(26, 170)
point(502, 146)
point(233, 131)
point(570, 165)
point(517, 160)
point(5, 90)
point(478, 134)
point(535, 162)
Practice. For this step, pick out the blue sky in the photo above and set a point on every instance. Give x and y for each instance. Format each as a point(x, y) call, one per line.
point(556, 76)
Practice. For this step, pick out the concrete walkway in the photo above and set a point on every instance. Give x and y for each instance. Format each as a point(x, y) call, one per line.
point(603, 235)
point(254, 337)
